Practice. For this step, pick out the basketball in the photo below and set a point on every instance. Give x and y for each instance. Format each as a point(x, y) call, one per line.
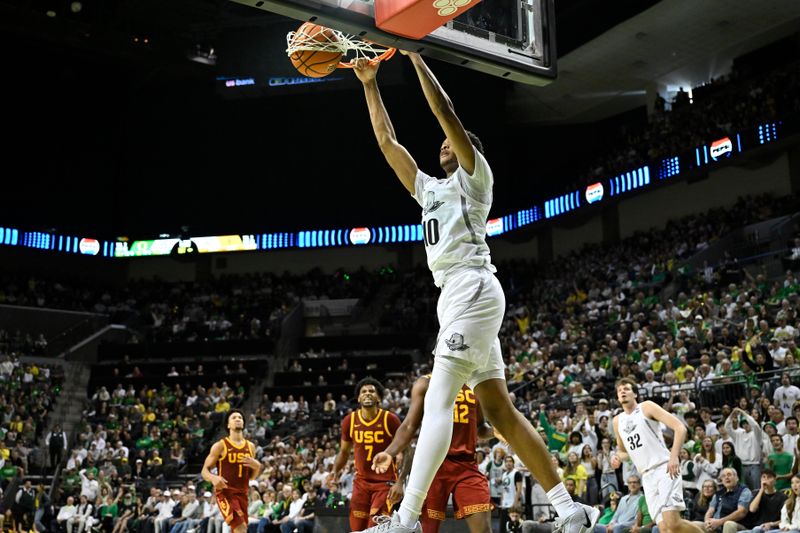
point(314, 63)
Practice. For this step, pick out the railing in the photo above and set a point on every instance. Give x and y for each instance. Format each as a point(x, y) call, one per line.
point(717, 391)
point(746, 245)
point(61, 342)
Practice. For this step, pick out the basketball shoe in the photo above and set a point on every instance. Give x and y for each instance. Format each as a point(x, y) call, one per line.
point(385, 524)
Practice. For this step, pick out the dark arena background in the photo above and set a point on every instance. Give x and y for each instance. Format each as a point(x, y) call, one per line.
point(189, 226)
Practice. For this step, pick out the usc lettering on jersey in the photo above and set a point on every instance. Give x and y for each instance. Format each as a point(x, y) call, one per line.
point(230, 466)
point(370, 437)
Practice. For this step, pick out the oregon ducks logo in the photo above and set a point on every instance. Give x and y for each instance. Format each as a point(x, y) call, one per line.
point(448, 7)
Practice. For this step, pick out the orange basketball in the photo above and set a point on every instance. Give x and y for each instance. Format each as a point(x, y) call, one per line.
point(314, 63)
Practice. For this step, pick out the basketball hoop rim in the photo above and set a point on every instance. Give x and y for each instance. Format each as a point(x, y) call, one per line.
point(344, 42)
point(372, 61)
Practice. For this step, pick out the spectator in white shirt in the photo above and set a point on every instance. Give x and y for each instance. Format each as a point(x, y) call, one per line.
point(777, 349)
point(191, 398)
point(81, 520)
point(786, 395)
point(790, 513)
point(89, 485)
point(784, 331)
point(747, 440)
point(164, 508)
point(650, 382)
point(710, 425)
point(320, 476)
point(7, 367)
point(791, 435)
point(211, 517)
point(66, 512)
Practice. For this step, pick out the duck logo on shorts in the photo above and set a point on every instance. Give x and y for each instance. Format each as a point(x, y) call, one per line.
point(456, 343)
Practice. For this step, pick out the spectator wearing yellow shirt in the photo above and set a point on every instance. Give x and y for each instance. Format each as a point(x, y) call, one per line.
point(577, 472)
point(680, 372)
point(523, 320)
point(222, 406)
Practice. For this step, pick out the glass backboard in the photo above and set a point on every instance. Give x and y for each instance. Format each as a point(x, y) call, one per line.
point(512, 39)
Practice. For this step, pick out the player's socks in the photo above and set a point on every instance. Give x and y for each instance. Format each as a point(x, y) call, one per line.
point(434, 441)
point(561, 501)
point(411, 506)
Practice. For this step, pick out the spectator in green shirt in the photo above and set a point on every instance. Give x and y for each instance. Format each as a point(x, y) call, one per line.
point(644, 524)
point(608, 512)
point(109, 511)
point(780, 462)
point(556, 439)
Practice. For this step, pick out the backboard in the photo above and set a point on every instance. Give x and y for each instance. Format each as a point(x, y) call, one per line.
point(512, 39)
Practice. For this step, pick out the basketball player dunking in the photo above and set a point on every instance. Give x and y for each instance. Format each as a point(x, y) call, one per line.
point(459, 475)
point(639, 438)
point(367, 431)
point(234, 457)
point(471, 304)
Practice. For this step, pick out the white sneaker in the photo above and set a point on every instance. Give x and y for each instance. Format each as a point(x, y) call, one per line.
point(385, 524)
point(581, 522)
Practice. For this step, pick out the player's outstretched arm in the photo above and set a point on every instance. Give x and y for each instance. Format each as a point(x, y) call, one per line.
point(657, 413)
point(444, 112)
point(485, 431)
point(402, 437)
point(396, 155)
point(219, 482)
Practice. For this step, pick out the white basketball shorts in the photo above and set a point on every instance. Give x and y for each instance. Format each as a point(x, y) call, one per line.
point(662, 492)
point(470, 310)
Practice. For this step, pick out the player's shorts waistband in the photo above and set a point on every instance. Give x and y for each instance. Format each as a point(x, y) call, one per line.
point(458, 269)
point(652, 468)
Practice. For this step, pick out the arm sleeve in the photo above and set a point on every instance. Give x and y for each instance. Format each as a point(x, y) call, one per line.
point(756, 427)
point(745, 498)
point(729, 428)
point(769, 362)
point(784, 518)
point(749, 362)
point(712, 469)
point(546, 425)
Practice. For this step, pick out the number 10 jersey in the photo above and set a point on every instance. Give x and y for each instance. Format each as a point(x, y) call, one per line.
point(454, 213)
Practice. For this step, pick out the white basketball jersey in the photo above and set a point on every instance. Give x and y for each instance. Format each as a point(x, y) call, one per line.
point(508, 490)
point(643, 439)
point(454, 213)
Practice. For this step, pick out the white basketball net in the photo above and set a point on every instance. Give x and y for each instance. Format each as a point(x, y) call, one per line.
point(347, 45)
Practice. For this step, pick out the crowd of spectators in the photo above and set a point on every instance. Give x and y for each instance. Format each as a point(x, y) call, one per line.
point(27, 392)
point(229, 307)
point(22, 342)
point(129, 443)
point(739, 101)
point(572, 328)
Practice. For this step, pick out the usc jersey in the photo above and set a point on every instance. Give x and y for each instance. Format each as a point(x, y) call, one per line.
point(230, 467)
point(370, 437)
